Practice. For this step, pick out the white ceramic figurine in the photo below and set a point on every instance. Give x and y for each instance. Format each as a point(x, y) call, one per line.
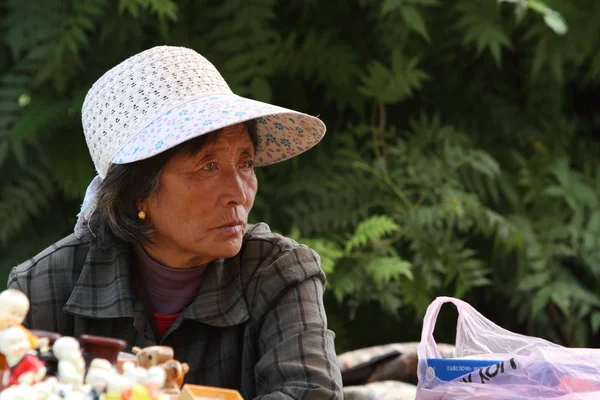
point(25, 368)
point(14, 306)
point(97, 377)
point(71, 365)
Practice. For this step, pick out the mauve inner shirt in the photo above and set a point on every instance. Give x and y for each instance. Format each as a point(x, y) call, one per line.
point(166, 291)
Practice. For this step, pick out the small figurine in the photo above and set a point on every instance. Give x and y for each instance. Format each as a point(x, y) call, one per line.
point(25, 368)
point(175, 372)
point(152, 355)
point(97, 377)
point(163, 356)
point(14, 306)
point(71, 366)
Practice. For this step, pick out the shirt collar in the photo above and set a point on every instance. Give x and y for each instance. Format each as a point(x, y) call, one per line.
point(104, 289)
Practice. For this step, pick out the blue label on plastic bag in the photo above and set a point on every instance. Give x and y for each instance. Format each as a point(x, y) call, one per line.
point(447, 369)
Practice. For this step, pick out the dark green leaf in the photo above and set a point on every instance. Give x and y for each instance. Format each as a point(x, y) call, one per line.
point(414, 20)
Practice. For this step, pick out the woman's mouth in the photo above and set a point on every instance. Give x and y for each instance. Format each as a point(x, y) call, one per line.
point(232, 227)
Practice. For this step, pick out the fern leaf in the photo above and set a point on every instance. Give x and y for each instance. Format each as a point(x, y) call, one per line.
point(386, 269)
point(314, 210)
point(40, 116)
point(484, 163)
point(329, 251)
point(346, 282)
point(482, 26)
point(414, 20)
point(35, 17)
point(54, 33)
point(373, 228)
point(12, 87)
point(319, 56)
point(246, 45)
point(396, 83)
point(21, 202)
point(388, 6)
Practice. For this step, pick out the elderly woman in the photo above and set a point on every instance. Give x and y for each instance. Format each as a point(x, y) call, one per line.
point(162, 251)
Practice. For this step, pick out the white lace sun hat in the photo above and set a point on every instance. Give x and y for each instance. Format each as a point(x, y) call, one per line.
point(167, 95)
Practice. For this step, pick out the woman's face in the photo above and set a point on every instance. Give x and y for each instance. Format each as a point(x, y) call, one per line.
point(200, 208)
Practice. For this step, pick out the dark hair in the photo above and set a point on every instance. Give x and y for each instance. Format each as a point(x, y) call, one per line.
point(116, 214)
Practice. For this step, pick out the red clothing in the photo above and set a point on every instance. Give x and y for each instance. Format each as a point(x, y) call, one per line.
point(29, 363)
point(164, 322)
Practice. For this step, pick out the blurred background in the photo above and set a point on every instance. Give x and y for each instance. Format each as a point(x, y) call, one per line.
point(462, 156)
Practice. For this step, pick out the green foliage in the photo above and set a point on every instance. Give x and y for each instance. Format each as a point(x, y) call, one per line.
point(246, 44)
point(394, 84)
point(410, 14)
point(165, 10)
point(552, 18)
point(373, 228)
point(482, 26)
point(461, 158)
point(329, 251)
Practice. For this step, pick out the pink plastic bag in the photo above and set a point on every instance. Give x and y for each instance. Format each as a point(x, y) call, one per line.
point(493, 363)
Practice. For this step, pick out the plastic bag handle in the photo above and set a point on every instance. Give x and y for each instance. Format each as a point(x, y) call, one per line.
point(469, 339)
point(427, 341)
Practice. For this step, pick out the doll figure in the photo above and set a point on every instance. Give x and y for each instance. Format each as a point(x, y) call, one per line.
point(14, 306)
point(97, 377)
point(25, 368)
point(71, 365)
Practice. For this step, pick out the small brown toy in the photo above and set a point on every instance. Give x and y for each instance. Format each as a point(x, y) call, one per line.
point(163, 356)
point(175, 373)
point(152, 355)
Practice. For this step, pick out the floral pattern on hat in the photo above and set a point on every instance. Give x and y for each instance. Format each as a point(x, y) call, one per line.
point(281, 133)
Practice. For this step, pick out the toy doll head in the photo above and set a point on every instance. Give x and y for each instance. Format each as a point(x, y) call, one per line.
point(14, 306)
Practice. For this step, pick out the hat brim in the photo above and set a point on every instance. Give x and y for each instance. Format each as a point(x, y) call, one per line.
point(282, 133)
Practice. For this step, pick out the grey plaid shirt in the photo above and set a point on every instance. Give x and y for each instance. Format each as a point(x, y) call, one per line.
point(258, 324)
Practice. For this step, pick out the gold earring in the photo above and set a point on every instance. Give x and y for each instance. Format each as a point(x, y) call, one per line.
point(142, 215)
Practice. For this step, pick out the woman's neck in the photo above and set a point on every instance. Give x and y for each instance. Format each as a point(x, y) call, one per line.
point(164, 289)
point(174, 258)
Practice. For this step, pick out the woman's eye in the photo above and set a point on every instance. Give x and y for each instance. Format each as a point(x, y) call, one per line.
point(248, 164)
point(210, 166)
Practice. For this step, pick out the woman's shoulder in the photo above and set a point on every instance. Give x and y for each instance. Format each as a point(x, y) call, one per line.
point(62, 257)
point(260, 233)
point(276, 260)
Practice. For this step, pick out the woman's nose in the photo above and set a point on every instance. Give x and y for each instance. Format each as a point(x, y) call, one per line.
point(235, 191)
